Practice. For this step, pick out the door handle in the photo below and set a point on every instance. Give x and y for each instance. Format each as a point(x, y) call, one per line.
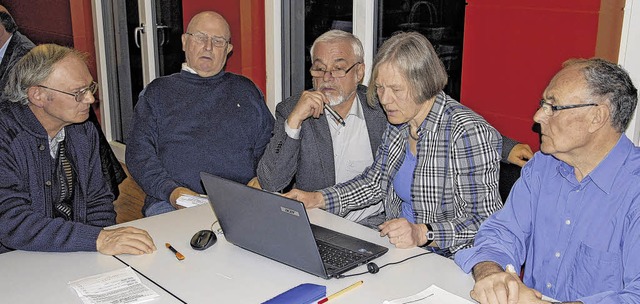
point(136, 34)
point(162, 34)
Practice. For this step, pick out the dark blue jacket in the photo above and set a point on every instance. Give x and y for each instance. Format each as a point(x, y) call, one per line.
point(26, 174)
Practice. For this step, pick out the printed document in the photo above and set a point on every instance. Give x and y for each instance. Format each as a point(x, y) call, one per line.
point(187, 200)
point(431, 295)
point(116, 287)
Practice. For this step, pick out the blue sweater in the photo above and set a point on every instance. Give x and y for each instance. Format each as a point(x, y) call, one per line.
point(184, 124)
point(26, 172)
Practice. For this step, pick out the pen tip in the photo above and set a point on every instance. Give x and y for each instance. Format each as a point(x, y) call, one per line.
point(167, 244)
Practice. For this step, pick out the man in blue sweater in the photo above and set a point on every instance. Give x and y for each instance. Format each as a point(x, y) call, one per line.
point(201, 119)
point(53, 195)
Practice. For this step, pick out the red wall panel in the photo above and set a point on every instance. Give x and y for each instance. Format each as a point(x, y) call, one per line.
point(511, 50)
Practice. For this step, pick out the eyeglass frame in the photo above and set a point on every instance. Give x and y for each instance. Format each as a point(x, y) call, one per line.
point(324, 72)
point(199, 36)
point(80, 94)
point(553, 108)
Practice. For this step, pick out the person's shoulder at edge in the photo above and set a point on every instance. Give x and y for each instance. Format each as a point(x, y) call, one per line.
point(461, 113)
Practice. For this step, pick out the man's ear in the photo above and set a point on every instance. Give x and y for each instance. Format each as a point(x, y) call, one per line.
point(360, 69)
point(600, 117)
point(36, 96)
point(229, 48)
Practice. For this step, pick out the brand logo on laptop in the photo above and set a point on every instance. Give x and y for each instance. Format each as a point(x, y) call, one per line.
point(289, 211)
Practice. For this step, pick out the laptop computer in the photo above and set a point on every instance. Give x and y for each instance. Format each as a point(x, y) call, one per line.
point(276, 227)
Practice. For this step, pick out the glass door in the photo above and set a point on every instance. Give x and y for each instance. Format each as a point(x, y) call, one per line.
point(303, 22)
point(441, 21)
point(142, 41)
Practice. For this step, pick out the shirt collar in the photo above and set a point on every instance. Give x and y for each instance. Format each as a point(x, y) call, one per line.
point(605, 172)
point(356, 108)
point(187, 68)
point(55, 142)
point(430, 123)
point(3, 50)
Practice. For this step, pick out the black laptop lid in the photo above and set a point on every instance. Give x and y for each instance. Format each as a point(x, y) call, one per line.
point(265, 223)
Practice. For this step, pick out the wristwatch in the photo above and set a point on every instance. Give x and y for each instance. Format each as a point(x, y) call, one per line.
point(430, 235)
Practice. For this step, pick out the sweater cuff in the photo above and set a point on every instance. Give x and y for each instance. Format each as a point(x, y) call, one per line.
point(507, 146)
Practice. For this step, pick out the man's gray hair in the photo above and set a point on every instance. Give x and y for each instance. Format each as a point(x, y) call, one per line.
point(34, 68)
point(416, 60)
point(610, 81)
point(338, 35)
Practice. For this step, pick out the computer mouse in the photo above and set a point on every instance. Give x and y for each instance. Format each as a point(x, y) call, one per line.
point(203, 239)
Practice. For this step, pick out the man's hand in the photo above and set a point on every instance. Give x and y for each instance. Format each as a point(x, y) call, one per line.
point(177, 192)
point(520, 154)
point(495, 286)
point(403, 234)
point(309, 199)
point(311, 103)
point(128, 240)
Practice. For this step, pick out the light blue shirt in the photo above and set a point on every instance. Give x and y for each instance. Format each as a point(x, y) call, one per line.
point(577, 240)
point(402, 184)
point(3, 50)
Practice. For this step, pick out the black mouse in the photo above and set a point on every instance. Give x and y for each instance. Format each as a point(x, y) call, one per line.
point(203, 239)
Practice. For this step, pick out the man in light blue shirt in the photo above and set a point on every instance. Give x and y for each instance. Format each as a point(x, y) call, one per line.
point(573, 217)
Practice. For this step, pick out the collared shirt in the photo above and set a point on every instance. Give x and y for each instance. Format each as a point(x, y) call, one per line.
point(55, 142)
point(455, 182)
point(3, 50)
point(351, 151)
point(186, 67)
point(578, 240)
point(351, 145)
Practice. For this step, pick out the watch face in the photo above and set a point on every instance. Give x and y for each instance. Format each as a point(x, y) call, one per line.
point(430, 236)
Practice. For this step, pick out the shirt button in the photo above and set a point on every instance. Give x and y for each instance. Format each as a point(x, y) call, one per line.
point(548, 285)
point(48, 183)
point(557, 254)
point(568, 222)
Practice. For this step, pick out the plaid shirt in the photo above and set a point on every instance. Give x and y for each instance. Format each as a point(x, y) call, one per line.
point(455, 182)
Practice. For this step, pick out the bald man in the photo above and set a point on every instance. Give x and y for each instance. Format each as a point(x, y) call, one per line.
point(200, 119)
point(13, 45)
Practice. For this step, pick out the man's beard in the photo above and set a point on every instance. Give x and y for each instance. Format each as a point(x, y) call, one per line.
point(335, 100)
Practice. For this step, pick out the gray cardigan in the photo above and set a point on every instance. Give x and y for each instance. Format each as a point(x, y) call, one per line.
point(309, 159)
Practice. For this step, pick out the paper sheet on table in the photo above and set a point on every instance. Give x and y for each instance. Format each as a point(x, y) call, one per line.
point(187, 200)
point(431, 295)
point(115, 287)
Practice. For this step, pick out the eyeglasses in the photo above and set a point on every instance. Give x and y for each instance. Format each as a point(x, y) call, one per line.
point(549, 109)
point(337, 73)
point(80, 94)
point(202, 38)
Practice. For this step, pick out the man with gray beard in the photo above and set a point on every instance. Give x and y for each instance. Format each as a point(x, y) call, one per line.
point(311, 146)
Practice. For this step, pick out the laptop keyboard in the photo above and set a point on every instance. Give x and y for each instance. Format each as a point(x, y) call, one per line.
point(337, 257)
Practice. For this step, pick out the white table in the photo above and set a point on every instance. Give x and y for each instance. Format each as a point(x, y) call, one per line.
point(41, 277)
point(225, 273)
